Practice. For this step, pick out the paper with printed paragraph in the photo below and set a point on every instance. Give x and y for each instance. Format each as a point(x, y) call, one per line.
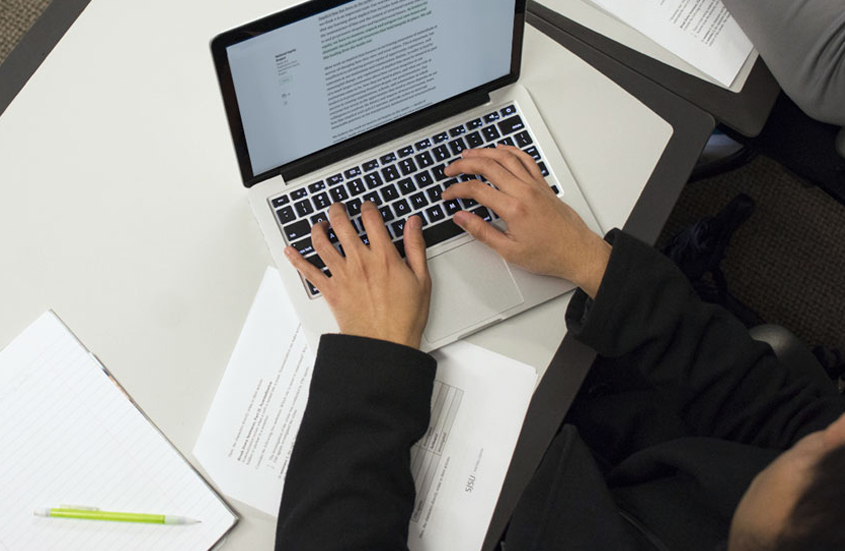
point(701, 32)
point(478, 406)
point(69, 435)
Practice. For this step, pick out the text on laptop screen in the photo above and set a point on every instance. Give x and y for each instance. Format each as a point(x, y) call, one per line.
point(332, 76)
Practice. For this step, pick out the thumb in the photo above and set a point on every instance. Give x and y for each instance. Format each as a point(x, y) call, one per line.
point(482, 231)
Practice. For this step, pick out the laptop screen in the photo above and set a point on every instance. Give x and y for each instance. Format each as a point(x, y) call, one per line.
point(333, 75)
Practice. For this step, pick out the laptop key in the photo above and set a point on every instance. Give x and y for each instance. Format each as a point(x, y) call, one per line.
point(474, 140)
point(407, 166)
point(490, 133)
point(304, 246)
point(457, 146)
point(387, 159)
point(452, 207)
point(400, 247)
point(356, 186)
point(321, 201)
point(298, 194)
point(543, 169)
point(334, 180)
point(422, 144)
point(435, 214)
point(297, 230)
point(419, 201)
point(438, 233)
point(311, 289)
point(556, 190)
point(434, 193)
point(482, 213)
point(370, 165)
point(491, 117)
point(475, 123)
point(401, 208)
point(390, 173)
point(406, 186)
point(339, 194)
point(450, 182)
point(468, 203)
point(316, 261)
point(317, 186)
point(511, 125)
point(304, 208)
point(405, 151)
point(507, 141)
point(386, 213)
point(457, 131)
point(423, 179)
point(440, 138)
point(279, 202)
point(438, 173)
point(320, 217)
point(353, 207)
point(352, 172)
point(507, 111)
point(441, 153)
point(533, 152)
point(373, 180)
point(523, 139)
point(389, 192)
point(286, 215)
point(373, 197)
point(424, 159)
point(398, 228)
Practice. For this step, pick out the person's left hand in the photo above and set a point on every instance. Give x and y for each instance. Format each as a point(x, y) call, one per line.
point(372, 292)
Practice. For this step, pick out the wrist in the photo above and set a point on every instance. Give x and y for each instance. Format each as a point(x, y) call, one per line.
point(590, 272)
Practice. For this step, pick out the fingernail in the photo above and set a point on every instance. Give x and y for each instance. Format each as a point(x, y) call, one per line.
point(458, 218)
point(415, 222)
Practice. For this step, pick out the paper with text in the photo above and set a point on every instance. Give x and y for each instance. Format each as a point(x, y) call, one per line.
point(478, 406)
point(248, 435)
point(701, 32)
point(69, 435)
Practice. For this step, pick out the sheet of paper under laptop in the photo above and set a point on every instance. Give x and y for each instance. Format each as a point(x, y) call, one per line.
point(70, 435)
point(478, 406)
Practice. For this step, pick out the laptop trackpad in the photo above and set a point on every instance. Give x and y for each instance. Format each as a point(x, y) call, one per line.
point(470, 285)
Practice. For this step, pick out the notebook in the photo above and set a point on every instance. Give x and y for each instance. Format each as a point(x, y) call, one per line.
point(369, 100)
point(69, 435)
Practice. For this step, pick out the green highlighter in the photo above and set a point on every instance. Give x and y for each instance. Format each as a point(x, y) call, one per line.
point(93, 513)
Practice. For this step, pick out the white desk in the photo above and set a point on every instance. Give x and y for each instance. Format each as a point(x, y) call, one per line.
point(122, 208)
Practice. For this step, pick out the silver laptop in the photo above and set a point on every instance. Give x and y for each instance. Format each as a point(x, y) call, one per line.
point(370, 100)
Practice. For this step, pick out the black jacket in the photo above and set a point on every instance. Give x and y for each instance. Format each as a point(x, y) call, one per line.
point(701, 410)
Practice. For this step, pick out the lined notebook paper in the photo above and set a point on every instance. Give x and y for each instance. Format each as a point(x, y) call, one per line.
point(69, 435)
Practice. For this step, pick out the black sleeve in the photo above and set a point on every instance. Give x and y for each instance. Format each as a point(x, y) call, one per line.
point(349, 482)
point(721, 382)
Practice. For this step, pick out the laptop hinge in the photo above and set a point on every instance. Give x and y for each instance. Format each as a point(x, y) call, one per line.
point(382, 135)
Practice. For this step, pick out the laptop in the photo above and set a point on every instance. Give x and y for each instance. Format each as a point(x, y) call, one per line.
point(370, 100)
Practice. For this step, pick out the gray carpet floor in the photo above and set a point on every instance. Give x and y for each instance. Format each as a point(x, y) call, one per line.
point(786, 263)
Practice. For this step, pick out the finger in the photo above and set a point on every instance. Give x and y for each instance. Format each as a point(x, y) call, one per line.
point(311, 272)
point(480, 192)
point(482, 231)
point(528, 162)
point(415, 248)
point(488, 167)
point(374, 226)
point(506, 157)
point(343, 228)
point(323, 246)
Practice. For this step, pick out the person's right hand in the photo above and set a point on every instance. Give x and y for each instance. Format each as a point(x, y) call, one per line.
point(544, 235)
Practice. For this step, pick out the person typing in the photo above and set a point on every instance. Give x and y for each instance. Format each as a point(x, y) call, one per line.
point(712, 443)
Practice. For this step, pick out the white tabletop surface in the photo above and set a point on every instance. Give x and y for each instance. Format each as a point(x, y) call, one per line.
point(123, 211)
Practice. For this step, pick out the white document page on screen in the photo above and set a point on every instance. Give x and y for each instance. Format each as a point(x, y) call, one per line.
point(321, 80)
point(701, 32)
point(478, 406)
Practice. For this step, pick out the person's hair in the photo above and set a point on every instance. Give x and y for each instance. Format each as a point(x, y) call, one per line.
point(817, 522)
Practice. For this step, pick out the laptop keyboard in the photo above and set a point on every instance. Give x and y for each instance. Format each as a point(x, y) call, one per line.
point(402, 183)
